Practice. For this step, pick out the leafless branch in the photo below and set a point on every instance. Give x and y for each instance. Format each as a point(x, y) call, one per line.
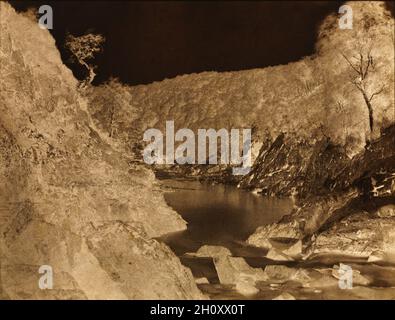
point(363, 65)
point(377, 92)
point(350, 63)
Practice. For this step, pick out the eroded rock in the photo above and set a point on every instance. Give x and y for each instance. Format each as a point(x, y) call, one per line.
point(281, 274)
point(386, 211)
point(211, 251)
point(288, 231)
point(285, 296)
point(68, 197)
point(231, 270)
point(360, 235)
point(277, 255)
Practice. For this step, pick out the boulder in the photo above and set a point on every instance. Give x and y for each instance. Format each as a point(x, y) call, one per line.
point(202, 280)
point(276, 255)
point(285, 296)
point(232, 270)
point(295, 250)
point(386, 211)
point(357, 278)
point(246, 286)
point(262, 236)
point(359, 235)
point(211, 251)
point(282, 274)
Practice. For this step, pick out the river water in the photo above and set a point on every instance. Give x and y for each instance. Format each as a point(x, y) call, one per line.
point(225, 216)
point(218, 214)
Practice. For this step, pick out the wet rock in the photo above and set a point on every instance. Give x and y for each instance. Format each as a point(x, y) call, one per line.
point(235, 271)
point(246, 286)
point(288, 231)
point(277, 255)
point(311, 278)
point(285, 296)
point(291, 166)
point(357, 278)
point(211, 251)
point(246, 289)
point(365, 293)
point(321, 281)
point(360, 235)
point(380, 256)
point(232, 270)
point(202, 280)
point(282, 274)
point(386, 211)
point(279, 272)
point(376, 256)
point(295, 250)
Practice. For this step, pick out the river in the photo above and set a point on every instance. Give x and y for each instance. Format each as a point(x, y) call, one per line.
point(223, 215)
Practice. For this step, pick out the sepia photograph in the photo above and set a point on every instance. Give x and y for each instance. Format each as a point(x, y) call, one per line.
point(197, 156)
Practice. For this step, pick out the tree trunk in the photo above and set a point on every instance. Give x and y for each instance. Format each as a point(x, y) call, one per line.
point(91, 75)
point(370, 108)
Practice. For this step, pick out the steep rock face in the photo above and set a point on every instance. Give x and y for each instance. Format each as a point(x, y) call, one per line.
point(360, 235)
point(308, 166)
point(367, 179)
point(299, 167)
point(68, 198)
point(330, 183)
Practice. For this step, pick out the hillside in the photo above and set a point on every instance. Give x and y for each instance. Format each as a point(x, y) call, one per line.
point(305, 99)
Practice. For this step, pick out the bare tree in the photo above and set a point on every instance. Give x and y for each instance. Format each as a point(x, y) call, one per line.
point(361, 69)
point(84, 49)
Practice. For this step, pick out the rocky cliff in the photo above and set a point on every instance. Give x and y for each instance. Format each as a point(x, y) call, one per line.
point(365, 183)
point(302, 110)
point(341, 194)
point(68, 198)
point(300, 164)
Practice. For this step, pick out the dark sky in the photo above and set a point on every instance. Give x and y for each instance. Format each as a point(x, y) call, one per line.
point(149, 41)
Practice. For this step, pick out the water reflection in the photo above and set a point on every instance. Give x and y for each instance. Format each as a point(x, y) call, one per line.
point(218, 214)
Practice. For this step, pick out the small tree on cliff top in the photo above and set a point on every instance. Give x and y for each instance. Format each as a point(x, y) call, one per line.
point(84, 49)
point(361, 68)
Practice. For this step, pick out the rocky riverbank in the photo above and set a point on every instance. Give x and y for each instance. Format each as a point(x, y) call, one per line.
point(68, 198)
point(361, 188)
